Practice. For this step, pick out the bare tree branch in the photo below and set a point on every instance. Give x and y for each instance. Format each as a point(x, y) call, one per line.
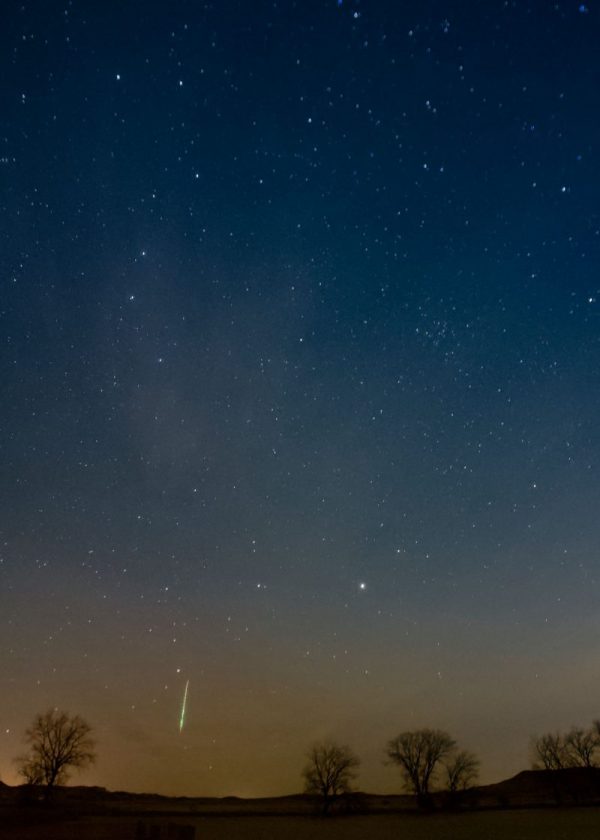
point(57, 741)
point(461, 771)
point(418, 754)
point(580, 746)
point(550, 752)
point(329, 772)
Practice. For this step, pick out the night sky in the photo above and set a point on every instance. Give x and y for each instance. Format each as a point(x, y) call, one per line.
point(300, 377)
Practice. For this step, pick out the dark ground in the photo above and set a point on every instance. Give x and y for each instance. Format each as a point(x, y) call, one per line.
point(522, 808)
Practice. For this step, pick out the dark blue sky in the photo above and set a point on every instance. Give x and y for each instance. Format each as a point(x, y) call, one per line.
point(299, 310)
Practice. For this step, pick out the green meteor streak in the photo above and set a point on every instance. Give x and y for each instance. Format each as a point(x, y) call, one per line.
point(182, 716)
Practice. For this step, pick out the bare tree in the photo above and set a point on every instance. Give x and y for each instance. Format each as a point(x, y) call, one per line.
point(329, 772)
point(57, 741)
point(461, 771)
point(550, 751)
point(29, 770)
point(580, 746)
point(418, 754)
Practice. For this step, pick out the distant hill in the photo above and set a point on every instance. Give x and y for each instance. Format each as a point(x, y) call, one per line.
point(573, 785)
point(530, 788)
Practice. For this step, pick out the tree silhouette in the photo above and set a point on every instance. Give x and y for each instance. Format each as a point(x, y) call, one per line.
point(418, 754)
point(461, 771)
point(57, 741)
point(580, 745)
point(550, 751)
point(329, 772)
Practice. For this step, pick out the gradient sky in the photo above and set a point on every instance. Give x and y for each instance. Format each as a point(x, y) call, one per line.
point(300, 372)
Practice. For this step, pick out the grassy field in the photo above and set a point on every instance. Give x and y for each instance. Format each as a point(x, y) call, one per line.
point(547, 824)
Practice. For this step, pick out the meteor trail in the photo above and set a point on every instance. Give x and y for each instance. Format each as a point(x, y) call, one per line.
point(182, 716)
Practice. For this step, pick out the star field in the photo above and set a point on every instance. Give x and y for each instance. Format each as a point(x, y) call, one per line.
point(299, 314)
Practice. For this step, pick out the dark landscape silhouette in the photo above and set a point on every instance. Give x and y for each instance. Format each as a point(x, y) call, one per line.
point(437, 779)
